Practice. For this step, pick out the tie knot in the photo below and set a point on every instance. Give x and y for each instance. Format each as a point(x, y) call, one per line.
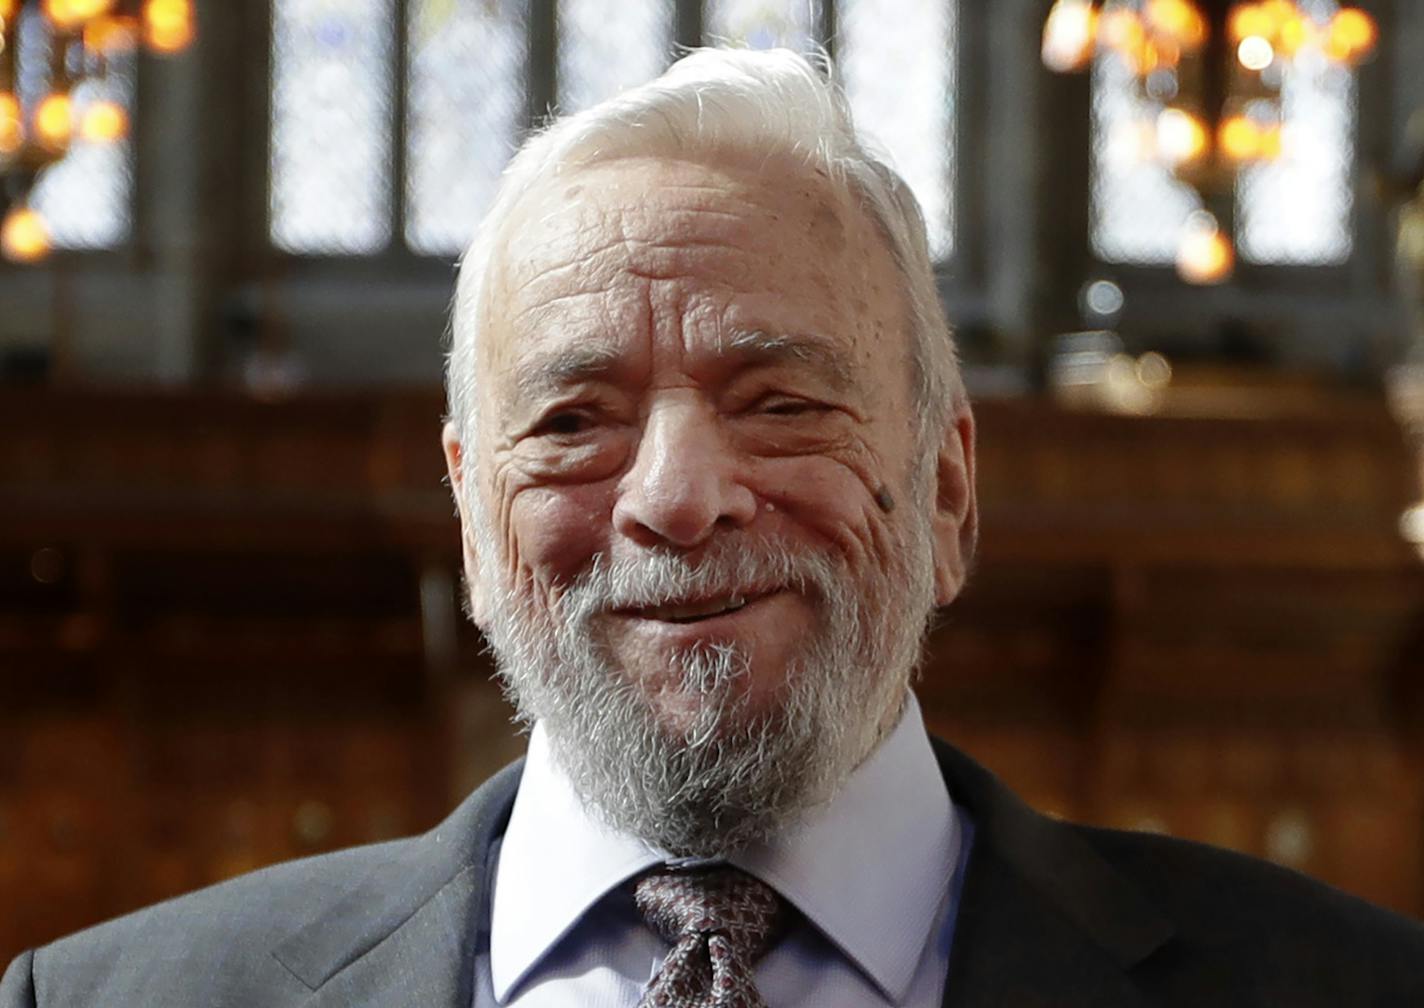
point(722, 901)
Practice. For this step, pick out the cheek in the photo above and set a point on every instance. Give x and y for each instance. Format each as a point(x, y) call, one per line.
point(832, 502)
point(556, 530)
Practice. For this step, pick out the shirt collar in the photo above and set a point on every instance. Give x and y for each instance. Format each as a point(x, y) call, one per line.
point(856, 866)
point(870, 868)
point(540, 890)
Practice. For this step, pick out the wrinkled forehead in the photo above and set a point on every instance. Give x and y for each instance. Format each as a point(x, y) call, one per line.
point(634, 211)
point(738, 224)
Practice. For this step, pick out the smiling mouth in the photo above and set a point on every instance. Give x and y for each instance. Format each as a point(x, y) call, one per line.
point(692, 612)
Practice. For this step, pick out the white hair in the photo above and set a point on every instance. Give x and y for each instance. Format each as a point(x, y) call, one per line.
point(718, 101)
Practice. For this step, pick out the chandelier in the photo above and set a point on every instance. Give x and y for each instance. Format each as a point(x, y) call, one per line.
point(48, 48)
point(1208, 77)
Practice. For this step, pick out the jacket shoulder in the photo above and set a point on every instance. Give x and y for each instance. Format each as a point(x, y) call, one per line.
point(210, 947)
point(1294, 934)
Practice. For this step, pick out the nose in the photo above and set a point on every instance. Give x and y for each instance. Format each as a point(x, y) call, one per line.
point(684, 482)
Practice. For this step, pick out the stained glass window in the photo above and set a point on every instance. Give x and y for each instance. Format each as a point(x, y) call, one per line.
point(331, 125)
point(85, 198)
point(335, 118)
point(1298, 209)
point(897, 62)
point(466, 98)
point(1137, 208)
point(762, 24)
point(608, 45)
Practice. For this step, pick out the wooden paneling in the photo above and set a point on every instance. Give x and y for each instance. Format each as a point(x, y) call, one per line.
point(218, 647)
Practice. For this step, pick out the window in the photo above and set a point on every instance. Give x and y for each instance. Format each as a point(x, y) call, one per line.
point(605, 47)
point(86, 198)
point(1297, 210)
point(331, 125)
point(340, 115)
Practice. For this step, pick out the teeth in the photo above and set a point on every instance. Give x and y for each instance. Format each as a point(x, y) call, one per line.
point(698, 610)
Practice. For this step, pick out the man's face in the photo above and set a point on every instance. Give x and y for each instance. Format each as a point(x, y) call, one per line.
point(696, 430)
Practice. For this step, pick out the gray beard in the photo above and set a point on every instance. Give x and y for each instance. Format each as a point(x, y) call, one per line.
point(725, 778)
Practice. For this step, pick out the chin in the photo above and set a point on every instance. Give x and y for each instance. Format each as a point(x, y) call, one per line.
point(711, 691)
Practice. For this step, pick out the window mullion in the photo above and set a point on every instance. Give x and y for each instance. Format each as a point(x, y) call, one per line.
point(541, 81)
point(400, 127)
point(687, 26)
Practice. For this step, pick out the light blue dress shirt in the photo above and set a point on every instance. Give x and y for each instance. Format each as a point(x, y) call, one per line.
point(870, 871)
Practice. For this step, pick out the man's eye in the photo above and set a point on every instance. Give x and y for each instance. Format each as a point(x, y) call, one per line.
point(567, 422)
point(787, 407)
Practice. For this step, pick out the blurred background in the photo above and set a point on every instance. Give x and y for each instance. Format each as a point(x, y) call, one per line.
point(1183, 247)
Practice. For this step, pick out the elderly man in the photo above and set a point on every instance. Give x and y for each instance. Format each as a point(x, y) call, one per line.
point(714, 468)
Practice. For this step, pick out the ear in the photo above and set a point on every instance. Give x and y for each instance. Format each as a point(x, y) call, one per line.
point(454, 459)
point(955, 523)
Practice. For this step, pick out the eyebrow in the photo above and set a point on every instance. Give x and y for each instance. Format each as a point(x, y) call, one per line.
point(558, 369)
point(758, 346)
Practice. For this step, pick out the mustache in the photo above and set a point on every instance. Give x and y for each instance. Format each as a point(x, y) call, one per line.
point(659, 576)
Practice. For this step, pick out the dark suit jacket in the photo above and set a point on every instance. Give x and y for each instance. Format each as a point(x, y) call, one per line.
point(1051, 914)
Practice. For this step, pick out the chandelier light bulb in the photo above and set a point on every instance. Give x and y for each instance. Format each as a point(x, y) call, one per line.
point(1205, 255)
point(12, 126)
point(1247, 19)
point(168, 24)
point(54, 121)
point(24, 237)
point(1239, 138)
point(1181, 136)
point(1295, 34)
point(1177, 21)
point(1255, 53)
point(67, 15)
point(1350, 36)
point(111, 34)
point(104, 122)
point(1068, 35)
point(1121, 29)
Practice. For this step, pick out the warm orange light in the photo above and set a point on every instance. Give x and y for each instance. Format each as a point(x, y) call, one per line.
point(1249, 19)
point(1194, 35)
point(1148, 59)
point(8, 8)
point(1205, 256)
point(1239, 138)
point(1170, 17)
point(24, 238)
point(1351, 35)
point(168, 24)
point(1165, 52)
point(1068, 35)
point(1269, 148)
point(12, 127)
point(1278, 12)
point(110, 34)
point(1181, 136)
point(104, 122)
point(1121, 29)
point(70, 14)
point(54, 121)
point(1294, 35)
point(1177, 21)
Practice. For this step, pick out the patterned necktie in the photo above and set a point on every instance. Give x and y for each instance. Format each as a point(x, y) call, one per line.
point(720, 921)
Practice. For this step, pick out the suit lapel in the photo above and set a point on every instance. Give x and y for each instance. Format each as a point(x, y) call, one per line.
point(409, 932)
point(428, 960)
point(1042, 919)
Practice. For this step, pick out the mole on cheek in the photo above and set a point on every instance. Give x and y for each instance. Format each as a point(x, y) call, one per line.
point(884, 500)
